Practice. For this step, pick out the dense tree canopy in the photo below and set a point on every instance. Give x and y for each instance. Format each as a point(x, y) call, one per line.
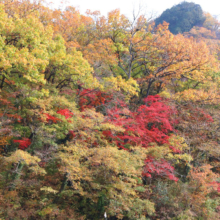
point(100, 114)
point(182, 17)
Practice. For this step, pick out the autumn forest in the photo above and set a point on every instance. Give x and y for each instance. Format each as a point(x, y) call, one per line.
point(108, 114)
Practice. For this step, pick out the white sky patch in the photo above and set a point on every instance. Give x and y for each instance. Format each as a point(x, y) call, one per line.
point(155, 7)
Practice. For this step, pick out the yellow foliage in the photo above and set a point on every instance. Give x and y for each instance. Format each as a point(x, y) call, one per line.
point(92, 170)
point(20, 156)
point(129, 87)
point(210, 96)
point(48, 190)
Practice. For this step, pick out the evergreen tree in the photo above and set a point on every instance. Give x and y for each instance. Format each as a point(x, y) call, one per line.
point(182, 17)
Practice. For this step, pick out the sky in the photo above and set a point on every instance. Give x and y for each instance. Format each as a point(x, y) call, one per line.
point(150, 7)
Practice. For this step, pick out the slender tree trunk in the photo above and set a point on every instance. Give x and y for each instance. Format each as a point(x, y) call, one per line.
point(62, 188)
point(148, 88)
point(159, 87)
point(3, 80)
point(16, 176)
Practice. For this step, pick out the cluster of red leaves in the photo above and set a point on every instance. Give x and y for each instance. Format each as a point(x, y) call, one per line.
point(159, 168)
point(218, 189)
point(175, 150)
point(17, 117)
point(199, 115)
point(64, 112)
point(193, 114)
point(6, 102)
point(71, 134)
point(148, 124)
point(216, 185)
point(23, 144)
point(151, 123)
point(92, 98)
point(51, 118)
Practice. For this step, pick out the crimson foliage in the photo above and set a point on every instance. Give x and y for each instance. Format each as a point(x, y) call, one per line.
point(151, 123)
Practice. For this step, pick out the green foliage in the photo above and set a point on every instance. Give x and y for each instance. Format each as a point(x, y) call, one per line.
point(182, 17)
